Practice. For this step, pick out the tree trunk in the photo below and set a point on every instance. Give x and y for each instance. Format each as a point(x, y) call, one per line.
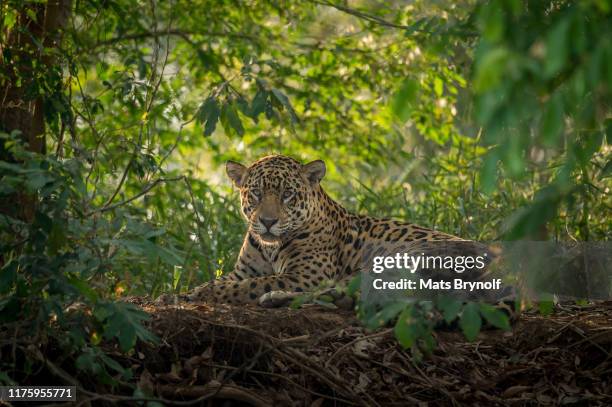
point(19, 109)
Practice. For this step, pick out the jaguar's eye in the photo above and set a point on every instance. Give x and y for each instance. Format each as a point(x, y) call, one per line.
point(287, 195)
point(256, 193)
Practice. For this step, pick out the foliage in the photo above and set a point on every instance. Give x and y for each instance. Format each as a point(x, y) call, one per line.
point(412, 107)
point(415, 321)
point(542, 96)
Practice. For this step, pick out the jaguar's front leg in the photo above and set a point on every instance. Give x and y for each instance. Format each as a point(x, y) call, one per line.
point(333, 296)
point(296, 274)
point(248, 290)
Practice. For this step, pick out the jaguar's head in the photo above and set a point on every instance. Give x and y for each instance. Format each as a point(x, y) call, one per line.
point(278, 194)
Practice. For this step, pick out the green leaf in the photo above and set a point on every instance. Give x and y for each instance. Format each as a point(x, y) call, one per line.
point(43, 221)
point(208, 113)
point(405, 99)
point(513, 155)
point(552, 121)
point(495, 316)
point(9, 19)
point(353, 285)
point(450, 307)
point(490, 69)
point(243, 106)
point(102, 312)
point(438, 86)
point(406, 330)
point(557, 48)
point(32, 14)
point(12, 167)
point(386, 314)
point(87, 362)
point(527, 220)
point(8, 276)
point(298, 301)
point(546, 307)
point(586, 146)
point(37, 180)
point(491, 20)
point(127, 337)
point(258, 105)
point(168, 256)
point(212, 119)
point(57, 237)
point(470, 321)
point(83, 288)
point(488, 172)
point(284, 100)
point(113, 364)
point(176, 276)
point(231, 120)
point(124, 321)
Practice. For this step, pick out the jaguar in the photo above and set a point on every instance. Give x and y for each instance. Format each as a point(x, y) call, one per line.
point(298, 237)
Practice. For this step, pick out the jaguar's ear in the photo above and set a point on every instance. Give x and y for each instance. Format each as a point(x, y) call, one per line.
point(236, 172)
point(314, 171)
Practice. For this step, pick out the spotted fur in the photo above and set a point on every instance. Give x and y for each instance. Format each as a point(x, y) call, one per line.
point(298, 237)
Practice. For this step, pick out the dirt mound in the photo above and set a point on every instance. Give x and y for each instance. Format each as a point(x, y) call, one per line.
point(314, 356)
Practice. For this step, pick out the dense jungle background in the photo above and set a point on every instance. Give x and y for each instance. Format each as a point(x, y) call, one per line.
point(490, 120)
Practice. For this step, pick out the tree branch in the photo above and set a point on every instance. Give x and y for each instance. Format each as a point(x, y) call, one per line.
point(150, 98)
point(185, 34)
point(138, 195)
point(360, 14)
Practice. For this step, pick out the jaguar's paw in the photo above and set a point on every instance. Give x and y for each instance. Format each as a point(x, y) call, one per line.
point(275, 299)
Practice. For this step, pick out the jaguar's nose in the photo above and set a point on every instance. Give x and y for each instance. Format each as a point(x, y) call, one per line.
point(268, 222)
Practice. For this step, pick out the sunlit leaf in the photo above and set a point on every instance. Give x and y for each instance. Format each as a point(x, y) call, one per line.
point(405, 98)
point(438, 86)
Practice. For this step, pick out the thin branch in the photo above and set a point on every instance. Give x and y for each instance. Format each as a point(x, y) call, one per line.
point(138, 195)
point(185, 34)
point(149, 105)
point(288, 379)
point(364, 16)
point(199, 222)
point(179, 137)
point(215, 390)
